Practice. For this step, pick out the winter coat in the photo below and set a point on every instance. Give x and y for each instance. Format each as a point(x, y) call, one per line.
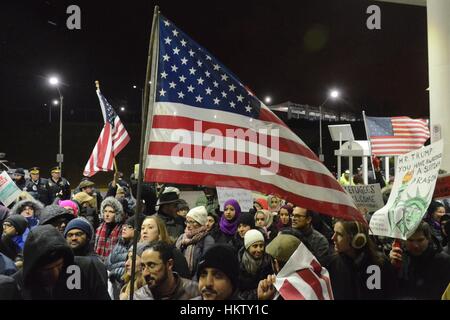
point(426, 276)
point(316, 243)
point(7, 266)
point(349, 278)
point(55, 188)
point(37, 206)
point(43, 240)
point(115, 263)
point(248, 283)
point(185, 290)
point(200, 248)
point(38, 190)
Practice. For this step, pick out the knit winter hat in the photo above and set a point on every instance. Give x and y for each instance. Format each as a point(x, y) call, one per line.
point(81, 224)
point(247, 219)
point(252, 236)
point(224, 258)
point(283, 246)
point(199, 214)
point(71, 204)
point(18, 222)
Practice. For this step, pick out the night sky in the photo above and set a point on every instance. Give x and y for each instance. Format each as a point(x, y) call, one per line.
point(290, 50)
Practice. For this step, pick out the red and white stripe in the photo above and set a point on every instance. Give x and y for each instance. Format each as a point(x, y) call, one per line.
point(409, 134)
point(303, 278)
point(298, 174)
point(110, 142)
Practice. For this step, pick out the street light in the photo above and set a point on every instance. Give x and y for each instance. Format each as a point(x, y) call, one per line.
point(333, 94)
point(54, 81)
point(267, 100)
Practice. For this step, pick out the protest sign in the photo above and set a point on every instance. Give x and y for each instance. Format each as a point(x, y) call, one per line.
point(415, 179)
point(9, 192)
point(442, 189)
point(244, 197)
point(366, 197)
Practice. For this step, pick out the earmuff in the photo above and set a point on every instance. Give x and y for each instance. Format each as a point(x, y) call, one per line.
point(360, 239)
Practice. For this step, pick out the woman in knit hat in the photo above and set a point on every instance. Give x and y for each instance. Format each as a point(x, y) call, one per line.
point(228, 223)
point(70, 206)
point(255, 264)
point(246, 222)
point(195, 240)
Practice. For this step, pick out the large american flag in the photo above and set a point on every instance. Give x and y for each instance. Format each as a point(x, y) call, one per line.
point(396, 135)
point(199, 98)
point(303, 278)
point(111, 141)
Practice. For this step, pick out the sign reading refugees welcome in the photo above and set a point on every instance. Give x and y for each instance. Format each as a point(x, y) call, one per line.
point(367, 197)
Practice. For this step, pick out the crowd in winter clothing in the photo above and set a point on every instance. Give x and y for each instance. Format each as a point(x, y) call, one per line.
point(200, 253)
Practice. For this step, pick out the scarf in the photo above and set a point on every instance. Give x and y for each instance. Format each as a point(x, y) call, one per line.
point(230, 227)
point(187, 243)
point(251, 264)
point(105, 242)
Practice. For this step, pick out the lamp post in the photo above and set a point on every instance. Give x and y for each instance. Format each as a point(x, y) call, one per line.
point(54, 81)
point(334, 94)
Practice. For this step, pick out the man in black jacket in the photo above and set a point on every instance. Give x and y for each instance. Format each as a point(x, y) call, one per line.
point(51, 272)
point(37, 186)
point(57, 186)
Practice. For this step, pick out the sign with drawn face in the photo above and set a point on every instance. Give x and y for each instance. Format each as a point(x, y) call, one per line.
point(415, 179)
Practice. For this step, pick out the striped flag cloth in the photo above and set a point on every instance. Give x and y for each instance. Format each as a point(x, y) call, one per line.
point(111, 141)
point(397, 135)
point(209, 129)
point(303, 278)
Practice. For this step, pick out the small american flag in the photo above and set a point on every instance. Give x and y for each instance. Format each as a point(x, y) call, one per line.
point(199, 98)
point(396, 135)
point(303, 278)
point(111, 141)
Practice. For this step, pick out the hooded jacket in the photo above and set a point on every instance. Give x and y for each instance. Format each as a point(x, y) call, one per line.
point(114, 203)
point(37, 206)
point(45, 240)
point(54, 211)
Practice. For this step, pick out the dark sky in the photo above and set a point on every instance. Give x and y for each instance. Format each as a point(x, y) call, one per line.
point(290, 50)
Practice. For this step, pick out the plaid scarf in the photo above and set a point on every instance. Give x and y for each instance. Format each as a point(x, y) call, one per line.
point(104, 243)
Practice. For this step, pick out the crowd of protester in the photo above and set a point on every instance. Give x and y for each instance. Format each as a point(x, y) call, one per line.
point(53, 233)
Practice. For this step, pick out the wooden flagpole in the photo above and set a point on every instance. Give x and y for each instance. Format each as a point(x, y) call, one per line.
point(147, 116)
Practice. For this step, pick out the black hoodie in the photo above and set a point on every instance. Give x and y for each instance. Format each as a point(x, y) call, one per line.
point(45, 240)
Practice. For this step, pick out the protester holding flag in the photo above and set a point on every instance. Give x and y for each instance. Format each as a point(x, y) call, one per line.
point(424, 272)
point(350, 267)
point(255, 264)
point(113, 138)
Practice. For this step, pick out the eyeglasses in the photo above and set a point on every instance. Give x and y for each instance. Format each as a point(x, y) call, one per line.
point(127, 226)
point(7, 225)
point(298, 216)
point(190, 222)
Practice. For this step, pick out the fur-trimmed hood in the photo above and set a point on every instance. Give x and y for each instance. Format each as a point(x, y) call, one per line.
point(35, 204)
point(113, 202)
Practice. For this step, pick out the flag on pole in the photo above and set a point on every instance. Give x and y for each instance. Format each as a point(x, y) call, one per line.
point(397, 135)
point(113, 138)
point(209, 129)
point(303, 278)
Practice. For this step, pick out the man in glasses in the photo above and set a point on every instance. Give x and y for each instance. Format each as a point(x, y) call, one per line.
point(78, 234)
point(314, 240)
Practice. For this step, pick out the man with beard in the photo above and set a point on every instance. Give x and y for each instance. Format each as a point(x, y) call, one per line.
point(36, 186)
point(78, 234)
point(167, 211)
point(162, 282)
point(49, 269)
point(19, 178)
point(218, 274)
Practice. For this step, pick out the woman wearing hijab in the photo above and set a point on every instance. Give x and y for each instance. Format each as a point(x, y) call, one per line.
point(228, 223)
